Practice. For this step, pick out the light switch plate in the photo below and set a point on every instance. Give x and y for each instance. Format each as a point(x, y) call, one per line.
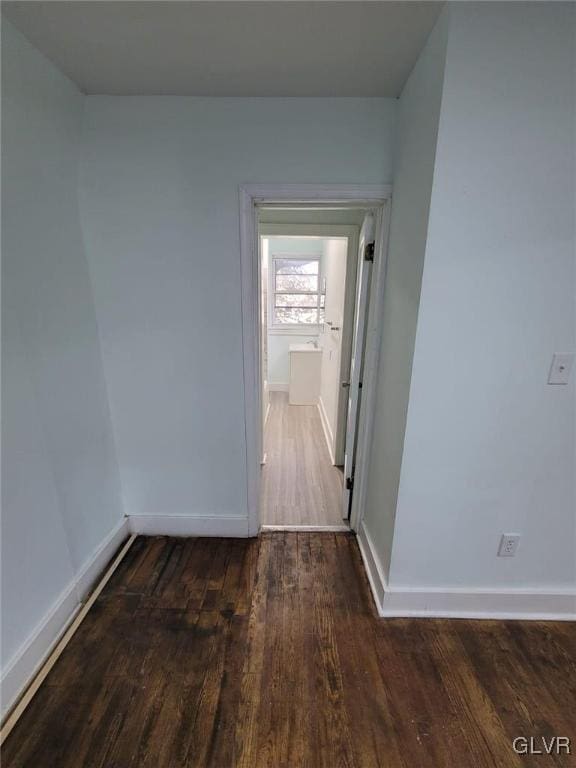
point(560, 369)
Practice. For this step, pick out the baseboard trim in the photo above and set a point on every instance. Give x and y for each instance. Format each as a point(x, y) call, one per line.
point(189, 525)
point(92, 569)
point(21, 670)
point(372, 566)
point(326, 429)
point(461, 602)
point(479, 604)
point(278, 386)
point(39, 644)
point(309, 528)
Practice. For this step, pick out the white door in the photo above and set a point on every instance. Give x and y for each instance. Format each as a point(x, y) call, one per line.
point(357, 362)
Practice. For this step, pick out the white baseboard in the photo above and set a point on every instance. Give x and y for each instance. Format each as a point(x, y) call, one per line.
point(327, 431)
point(461, 602)
point(21, 669)
point(92, 569)
point(306, 528)
point(189, 525)
point(278, 386)
point(373, 566)
point(537, 605)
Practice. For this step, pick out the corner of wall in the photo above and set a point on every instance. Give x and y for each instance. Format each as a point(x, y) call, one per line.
point(23, 666)
point(414, 163)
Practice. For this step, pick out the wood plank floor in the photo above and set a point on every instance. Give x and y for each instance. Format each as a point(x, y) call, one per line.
point(266, 652)
point(300, 486)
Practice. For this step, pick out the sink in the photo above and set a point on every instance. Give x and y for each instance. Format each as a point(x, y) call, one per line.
point(304, 384)
point(313, 347)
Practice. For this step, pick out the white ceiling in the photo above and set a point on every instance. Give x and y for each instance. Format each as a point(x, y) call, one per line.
point(224, 48)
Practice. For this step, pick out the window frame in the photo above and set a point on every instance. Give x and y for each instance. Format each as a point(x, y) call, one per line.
point(304, 329)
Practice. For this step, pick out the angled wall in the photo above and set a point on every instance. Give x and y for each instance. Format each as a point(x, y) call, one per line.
point(415, 152)
point(489, 445)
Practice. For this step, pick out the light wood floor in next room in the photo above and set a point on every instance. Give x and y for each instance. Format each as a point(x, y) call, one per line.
point(300, 486)
point(266, 653)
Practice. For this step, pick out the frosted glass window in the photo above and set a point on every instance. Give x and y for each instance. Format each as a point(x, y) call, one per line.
point(296, 298)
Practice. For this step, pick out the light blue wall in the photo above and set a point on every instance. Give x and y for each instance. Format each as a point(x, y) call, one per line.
point(417, 130)
point(159, 199)
point(60, 484)
point(296, 246)
point(489, 445)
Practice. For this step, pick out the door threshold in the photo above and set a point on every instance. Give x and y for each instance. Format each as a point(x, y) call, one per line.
point(308, 528)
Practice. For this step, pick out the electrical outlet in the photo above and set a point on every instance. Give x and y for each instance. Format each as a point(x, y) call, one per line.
point(508, 544)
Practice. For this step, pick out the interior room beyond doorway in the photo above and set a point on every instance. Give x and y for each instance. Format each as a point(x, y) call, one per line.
point(307, 302)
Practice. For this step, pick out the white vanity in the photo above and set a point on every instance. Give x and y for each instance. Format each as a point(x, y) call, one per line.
point(305, 366)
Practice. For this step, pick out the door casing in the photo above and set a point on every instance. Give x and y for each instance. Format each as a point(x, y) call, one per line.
point(377, 197)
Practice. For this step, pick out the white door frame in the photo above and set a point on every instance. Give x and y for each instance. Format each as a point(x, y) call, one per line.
point(370, 196)
point(355, 372)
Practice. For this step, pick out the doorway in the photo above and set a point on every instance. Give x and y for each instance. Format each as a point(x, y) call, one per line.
point(307, 278)
point(313, 274)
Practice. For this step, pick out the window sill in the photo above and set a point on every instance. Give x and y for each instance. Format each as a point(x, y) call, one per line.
point(309, 330)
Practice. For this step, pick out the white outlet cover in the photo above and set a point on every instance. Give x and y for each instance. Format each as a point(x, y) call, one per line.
point(560, 369)
point(508, 544)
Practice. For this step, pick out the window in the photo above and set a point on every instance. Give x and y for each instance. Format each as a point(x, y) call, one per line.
point(295, 291)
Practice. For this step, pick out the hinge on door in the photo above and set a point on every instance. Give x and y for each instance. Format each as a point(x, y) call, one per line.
point(369, 251)
point(349, 483)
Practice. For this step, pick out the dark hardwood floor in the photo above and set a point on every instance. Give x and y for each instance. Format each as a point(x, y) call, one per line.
point(267, 652)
